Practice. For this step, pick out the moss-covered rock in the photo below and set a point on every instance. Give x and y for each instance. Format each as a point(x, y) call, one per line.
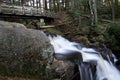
point(24, 52)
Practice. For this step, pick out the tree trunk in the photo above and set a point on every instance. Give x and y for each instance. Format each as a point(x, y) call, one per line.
point(39, 3)
point(33, 3)
point(93, 12)
point(50, 4)
point(75, 3)
point(57, 1)
point(117, 8)
point(113, 10)
point(72, 4)
point(67, 4)
point(54, 5)
point(0, 2)
point(79, 18)
point(63, 5)
point(22, 2)
point(45, 4)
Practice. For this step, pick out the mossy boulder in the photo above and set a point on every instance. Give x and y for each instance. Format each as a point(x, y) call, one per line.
point(25, 52)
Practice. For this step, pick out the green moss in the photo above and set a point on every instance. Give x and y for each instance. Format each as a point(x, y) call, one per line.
point(53, 30)
point(85, 40)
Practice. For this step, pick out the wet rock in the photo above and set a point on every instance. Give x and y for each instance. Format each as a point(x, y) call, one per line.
point(25, 52)
point(64, 70)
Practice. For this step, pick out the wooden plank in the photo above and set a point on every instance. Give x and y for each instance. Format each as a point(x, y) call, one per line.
point(48, 26)
point(23, 16)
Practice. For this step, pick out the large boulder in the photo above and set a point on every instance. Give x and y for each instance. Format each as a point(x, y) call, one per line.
point(25, 52)
point(6, 24)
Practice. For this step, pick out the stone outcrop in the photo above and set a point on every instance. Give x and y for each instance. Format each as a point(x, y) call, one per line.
point(24, 52)
point(28, 53)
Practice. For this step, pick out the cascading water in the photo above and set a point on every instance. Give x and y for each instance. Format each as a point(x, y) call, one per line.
point(66, 50)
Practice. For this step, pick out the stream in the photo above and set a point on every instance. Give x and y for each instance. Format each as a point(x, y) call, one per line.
point(82, 56)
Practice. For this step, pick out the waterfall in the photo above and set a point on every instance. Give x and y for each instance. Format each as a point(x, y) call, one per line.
point(66, 50)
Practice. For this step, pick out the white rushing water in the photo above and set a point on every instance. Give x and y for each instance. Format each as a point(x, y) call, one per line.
point(104, 70)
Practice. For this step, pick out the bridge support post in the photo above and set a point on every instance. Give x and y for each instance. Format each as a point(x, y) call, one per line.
point(41, 23)
point(23, 10)
point(0, 8)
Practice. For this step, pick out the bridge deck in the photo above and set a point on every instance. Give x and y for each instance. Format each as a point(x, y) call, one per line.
point(25, 12)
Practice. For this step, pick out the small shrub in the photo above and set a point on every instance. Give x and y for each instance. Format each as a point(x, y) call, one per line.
point(112, 35)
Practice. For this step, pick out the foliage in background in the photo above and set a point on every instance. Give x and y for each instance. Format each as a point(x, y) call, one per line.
point(112, 35)
point(74, 13)
point(117, 10)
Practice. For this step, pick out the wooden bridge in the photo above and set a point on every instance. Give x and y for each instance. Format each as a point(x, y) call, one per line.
point(25, 12)
point(42, 10)
point(33, 8)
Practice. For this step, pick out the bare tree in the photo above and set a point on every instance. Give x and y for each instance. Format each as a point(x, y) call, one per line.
point(113, 10)
point(39, 3)
point(67, 4)
point(54, 5)
point(63, 4)
point(93, 11)
point(57, 4)
point(33, 2)
point(50, 5)
point(45, 4)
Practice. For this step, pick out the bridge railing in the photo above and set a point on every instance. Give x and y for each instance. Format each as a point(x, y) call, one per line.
point(31, 11)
